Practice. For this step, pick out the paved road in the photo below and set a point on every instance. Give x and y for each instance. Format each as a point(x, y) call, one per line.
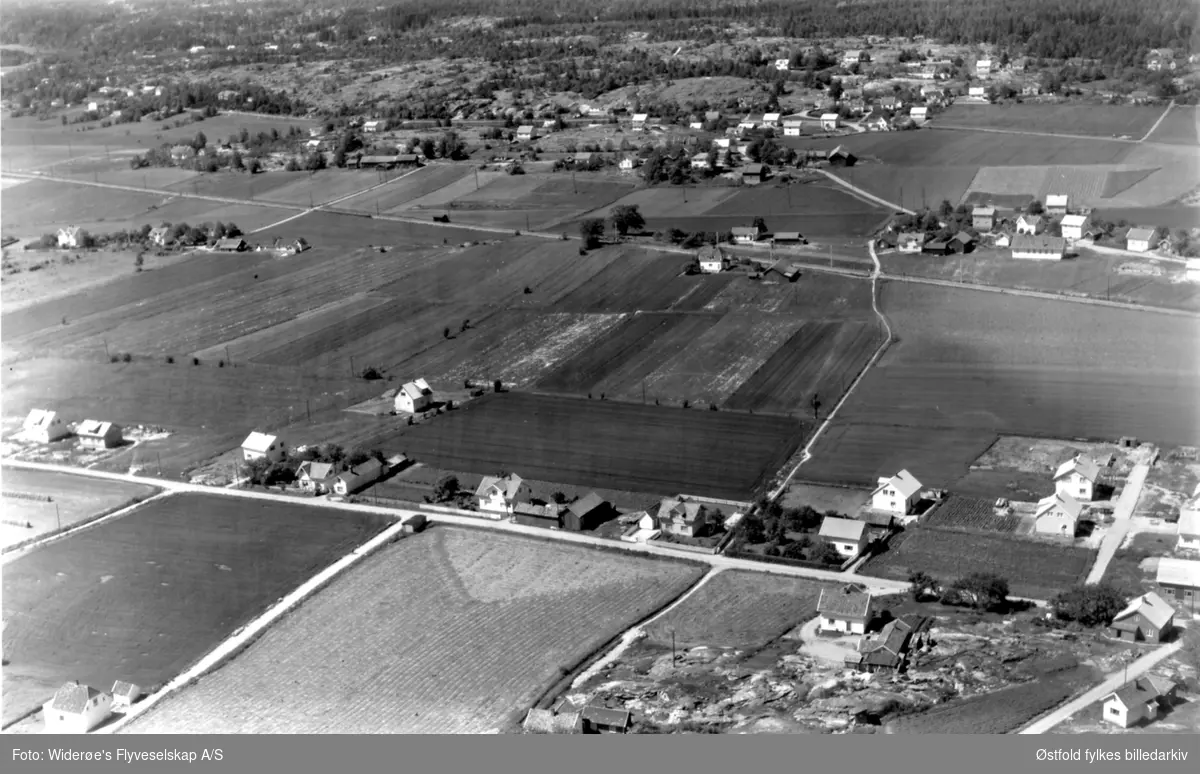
point(877, 585)
point(807, 454)
point(1122, 514)
point(1110, 684)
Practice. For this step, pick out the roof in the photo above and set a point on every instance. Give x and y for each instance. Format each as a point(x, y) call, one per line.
point(1074, 220)
point(1084, 466)
point(904, 482)
point(258, 442)
point(912, 236)
point(846, 601)
point(230, 242)
point(73, 697)
point(1178, 572)
point(93, 428)
point(842, 529)
point(1032, 219)
point(1140, 234)
point(1069, 505)
point(839, 151)
point(829, 116)
point(1189, 522)
point(752, 169)
point(415, 389)
point(771, 116)
point(710, 253)
point(1150, 605)
point(549, 511)
point(1038, 242)
point(984, 211)
point(70, 230)
point(362, 470)
point(676, 510)
point(744, 231)
point(586, 504)
point(640, 116)
point(918, 110)
point(524, 129)
point(963, 237)
point(874, 518)
point(793, 236)
point(1056, 200)
point(508, 485)
point(126, 690)
point(605, 716)
point(39, 418)
point(316, 470)
point(983, 63)
point(1137, 691)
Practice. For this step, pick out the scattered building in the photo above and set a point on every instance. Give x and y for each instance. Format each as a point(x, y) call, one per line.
point(499, 494)
point(755, 172)
point(782, 65)
point(920, 114)
point(358, 476)
point(745, 235)
point(840, 157)
point(1039, 248)
point(547, 516)
point(876, 122)
point(983, 68)
point(586, 513)
point(44, 426)
point(231, 245)
point(788, 237)
point(1137, 701)
point(898, 495)
point(526, 133)
point(910, 241)
point(76, 709)
point(793, 127)
point(1192, 270)
point(712, 260)
point(1056, 204)
point(888, 649)
point(687, 518)
point(601, 720)
point(639, 121)
point(1077, 477)
point(846, 610)
point(1073, 227)
point(414, 397)
point(70, 236)
point(772, 119)
point(371, 127)
point(1057, 515)
point(630, 163)
point(962, 242)
point(976, 92)
point(1179, 580)
point(317, 477)
point(830, 121)
point(983, 218)
point(125, 694)
point(263, 446)
point(160, 236)
point(1146, 619)
point(1189, 524)
point(1029, 225)
point(1139, 240)
point(847, 536)
point(94, 434)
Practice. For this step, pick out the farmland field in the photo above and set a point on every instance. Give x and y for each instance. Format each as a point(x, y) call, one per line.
point(1162, 217)
point(667, 201)
point(1180, 127)
point(608, 444)
point(75, 499)
point(959, 148)
point(970, 365)
point(1094, 120)
point(911, 187)
point(971, 513)
point(448, 621)
point(330, 229)
point(321, 187)
point(405, 188)
point(738, 609)
point(141, 597)
point(1034, 569)
point(240, 185)
point(46, 205)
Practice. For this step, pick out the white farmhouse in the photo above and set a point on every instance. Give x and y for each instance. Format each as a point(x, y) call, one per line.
point(497, 495)
point(1139, 240)
point(846, 610)
point(793, 127)
point(1038, 248)
point(830, 121)
point(414, 397)
point(43, 426)
point(1029, 224)
point(1057, 515)
point(357, 477)
point(1077, 478)
point(1073, 226)
point(847, 536)
point(712, 260)
point(69, 236)
point(76, 709)
point(781, 65)
point(263, 446)
point(898, 494)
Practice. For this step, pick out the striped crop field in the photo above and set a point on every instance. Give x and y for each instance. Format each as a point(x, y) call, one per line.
point(450, 631)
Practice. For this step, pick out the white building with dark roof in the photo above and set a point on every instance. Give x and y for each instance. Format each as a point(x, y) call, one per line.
point(76, 709)
point(414, 397)
point(1077, 478)
point(263, 446)
point(44, 426)
point(898, 494)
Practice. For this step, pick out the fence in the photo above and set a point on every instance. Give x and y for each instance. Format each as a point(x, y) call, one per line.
point(29, 496)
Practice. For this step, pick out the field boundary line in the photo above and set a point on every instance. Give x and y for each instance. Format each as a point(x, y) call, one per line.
point(246, 636)
point(20, 549)
point(155, 191)
point(638, 630)
point(961, 128)
point(878, 199)
point(806, 454)
point(1170, 105)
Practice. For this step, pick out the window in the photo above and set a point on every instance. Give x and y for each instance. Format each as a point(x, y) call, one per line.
point(1114, 711)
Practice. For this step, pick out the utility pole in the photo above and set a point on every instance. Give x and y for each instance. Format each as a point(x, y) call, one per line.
point(476, 179)
point(672, 648)
point(159, 464)
point(106, 349)
point(308, 409)
point(352, 365)
point(228, 359)
point(58, 516)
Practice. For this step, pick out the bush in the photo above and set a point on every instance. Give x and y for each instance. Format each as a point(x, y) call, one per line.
point(220, 364)
point(114, 359)
point(127, 358)
point(170, 359)
point(195, 361)
point(1089, 605)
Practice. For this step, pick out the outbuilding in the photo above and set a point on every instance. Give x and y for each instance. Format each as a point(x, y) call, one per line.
point(94, 434)
point(1146, 619)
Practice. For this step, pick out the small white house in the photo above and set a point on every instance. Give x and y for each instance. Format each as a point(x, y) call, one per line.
point(830, 121)
point(919, 114)
point(639, 120)
point(1057, 515)
point(1139, 240)
point(527, 133)
point(846, 610)
point(263, 446)
point(44, 426)
point(745, 235)
point(983, 68)
point(1073, 226)
point(76, 709)
point(414, 397)
point(498, 495)
point(1189, 524)
point(316, 477)
point(94, 434)
point(357, 477)
point(898, 494)
point(772, 119)
point(1056, 204)
point(712, 260)
point(371, 126)
point(125, 694)
point(1029, 224)
point(848, 536)
point(793, 128)
point(159, 236)
point(1077, 477)
point(69, 236)
point(782, 65)
point(910, 242)
point(1192, 270)
point(976, 92)
point(1136, 701)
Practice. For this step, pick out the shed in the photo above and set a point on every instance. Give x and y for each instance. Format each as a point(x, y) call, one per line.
point(125, 694)
point(788, 237)
point(230, 245)
point(1146, 619)
point(1179, 580)
point(848, 536)
point(1140, 239)
point(601, 720)
point(94, 434)
point(586, 513)
point(547, 516)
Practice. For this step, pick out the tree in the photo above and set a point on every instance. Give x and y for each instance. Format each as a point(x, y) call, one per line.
point(827, 554)
point(1035, 208)
point(816, 405)
point(253, 166)
point(199, 141)
point(592, 231)
point(1089, 605)
point(759, 224)
point(445, 489)
point(753, 529)
point(428, 148)
point(794, 550)
point(626, 218)
point(446, 332)
point(982, 590)
point(558, 497)
point(922, 584)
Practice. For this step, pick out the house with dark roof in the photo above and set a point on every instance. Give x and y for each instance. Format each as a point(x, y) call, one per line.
point(547, 516)
point(897, 495)
point(788, 237)
point(962, 242)
point(76, 709)
point(602, 720)
point(840, 157)
point(848, 536)
point(688, 518)
point(588, 512)
point(317, 477)
point(755, 173)
point(983, 218)
point(936, 247)
point(359, 476)
point(94, 434)
point(1146, 619)
point(711, 259)
point(888, 649)
point(499, 494)
point(846, 610)
point(1138, 701)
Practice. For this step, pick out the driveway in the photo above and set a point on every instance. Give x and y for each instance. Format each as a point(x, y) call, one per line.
point(831, 649)
point(1122, 515)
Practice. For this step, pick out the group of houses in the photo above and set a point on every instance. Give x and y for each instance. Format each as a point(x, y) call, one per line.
point(567, 718)
point(77, 708)
point(510, 497)
point(46, 426)
point(312, 476)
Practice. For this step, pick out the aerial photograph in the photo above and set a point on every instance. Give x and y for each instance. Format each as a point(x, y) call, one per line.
point(534, 367)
